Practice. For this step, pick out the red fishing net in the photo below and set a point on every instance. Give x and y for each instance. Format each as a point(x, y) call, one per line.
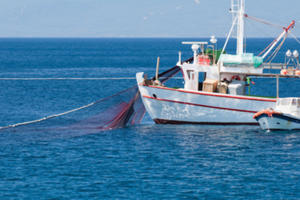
point(116, 111)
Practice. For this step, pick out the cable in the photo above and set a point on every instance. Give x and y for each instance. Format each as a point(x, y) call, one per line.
point(276, 50)
point(297, 40)
point(263, 21)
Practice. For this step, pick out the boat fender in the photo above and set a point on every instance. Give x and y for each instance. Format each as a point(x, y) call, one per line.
point(269, 112)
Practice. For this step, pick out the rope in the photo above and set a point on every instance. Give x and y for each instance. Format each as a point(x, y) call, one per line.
point(64, 113)
point(173, 71)
point(263, 21)
point(297, 40)
point(263, 51)
point(270, 58)
point(227, 39)
point(276, 50)
point(45, 118)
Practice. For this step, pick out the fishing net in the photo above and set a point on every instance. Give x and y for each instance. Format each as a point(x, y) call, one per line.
point(166, 75)
point(119, 110)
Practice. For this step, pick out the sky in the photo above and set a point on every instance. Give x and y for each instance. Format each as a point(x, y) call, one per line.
point(139, 18)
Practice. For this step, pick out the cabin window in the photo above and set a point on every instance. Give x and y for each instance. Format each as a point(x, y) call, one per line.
point(298, 103)
point(189, 72)
point(202, 76)
point(294, 103)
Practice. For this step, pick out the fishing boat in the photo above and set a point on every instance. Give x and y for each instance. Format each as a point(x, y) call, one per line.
point(220, 98)
point(285, 115)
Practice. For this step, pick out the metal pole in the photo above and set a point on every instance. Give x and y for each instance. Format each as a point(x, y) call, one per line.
point(229, 34)
point(219, 71)
point(240, 28)
point(157, 68)
point(214, 59)
point(277, 86)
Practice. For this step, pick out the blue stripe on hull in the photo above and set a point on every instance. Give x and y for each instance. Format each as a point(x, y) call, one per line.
point(280, 116)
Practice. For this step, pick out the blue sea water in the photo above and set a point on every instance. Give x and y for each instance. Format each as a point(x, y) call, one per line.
point(145, 161)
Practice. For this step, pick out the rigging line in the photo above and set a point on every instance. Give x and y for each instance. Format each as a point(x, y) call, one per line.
point(254, 25)
point(229, 34)
point(263, 51)
point(271, 57)
point(277, 49)
point(295, 37)
point(263, 21)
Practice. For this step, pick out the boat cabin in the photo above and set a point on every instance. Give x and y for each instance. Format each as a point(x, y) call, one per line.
point(210, 64)
point(289, 106)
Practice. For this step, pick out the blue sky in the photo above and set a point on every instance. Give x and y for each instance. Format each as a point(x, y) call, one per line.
point(138, 18)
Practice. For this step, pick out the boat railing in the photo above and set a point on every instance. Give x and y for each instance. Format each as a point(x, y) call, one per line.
point(273, 65)
point(261, 74)
point(288, 103)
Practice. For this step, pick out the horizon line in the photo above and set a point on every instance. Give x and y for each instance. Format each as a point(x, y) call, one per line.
point(125, 37)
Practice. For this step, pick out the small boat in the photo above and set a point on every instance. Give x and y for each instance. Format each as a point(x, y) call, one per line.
point(285, 115)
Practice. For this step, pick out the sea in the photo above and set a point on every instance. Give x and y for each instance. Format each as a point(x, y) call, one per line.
point(46, 76)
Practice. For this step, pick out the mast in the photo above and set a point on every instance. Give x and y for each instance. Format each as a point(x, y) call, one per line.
point(238, 11)
point(240, 29)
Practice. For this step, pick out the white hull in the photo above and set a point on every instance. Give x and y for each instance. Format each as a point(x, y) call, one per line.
point(166, 105)
point(279, 122)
